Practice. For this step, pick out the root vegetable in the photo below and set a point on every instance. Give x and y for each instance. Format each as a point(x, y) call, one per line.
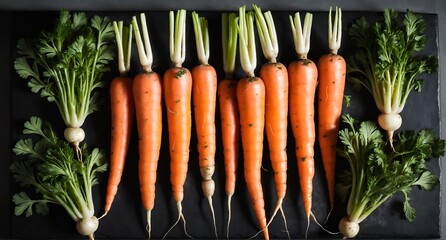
point(377, 172)
point(386, 62)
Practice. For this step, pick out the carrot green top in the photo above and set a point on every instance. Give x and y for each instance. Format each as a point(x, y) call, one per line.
point(247, 45)
point(144, 49)
point(123, 37)
point(229, 42)
point(177, 39)
point(335, 32)
point(301, 36)
point(267, 34)
point(201, 37)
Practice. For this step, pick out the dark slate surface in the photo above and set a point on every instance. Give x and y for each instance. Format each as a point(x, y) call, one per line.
point(127, 219)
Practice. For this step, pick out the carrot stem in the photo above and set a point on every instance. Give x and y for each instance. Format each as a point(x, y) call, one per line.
point(248, 58)
point(229, 42)
point(335, 33)
point(267, 34)
point(201, 37)
point(144, 48)
point(124, 46)
point(301, 35)
point(177, 40)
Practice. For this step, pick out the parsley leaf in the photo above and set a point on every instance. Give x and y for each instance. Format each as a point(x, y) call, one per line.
point(377, 172)
point(53, 171)
point(65, 64)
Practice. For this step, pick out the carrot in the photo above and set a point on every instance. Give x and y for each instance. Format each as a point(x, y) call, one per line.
point(332, 70)
point(275, 76)
point(148, 94)
point(303, 81)
point(122, 113)
point(204, 95)
point(251, 102)
point(177, 86)
point(229, 114)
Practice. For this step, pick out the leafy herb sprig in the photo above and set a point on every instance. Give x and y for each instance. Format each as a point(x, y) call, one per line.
point(65, 65)
point(376, 172)
point(386, 63)
point(52, 170)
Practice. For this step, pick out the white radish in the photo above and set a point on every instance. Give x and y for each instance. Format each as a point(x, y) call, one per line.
point(348, 229)
point(87, 227)
point(75, 135)
point(390, 122)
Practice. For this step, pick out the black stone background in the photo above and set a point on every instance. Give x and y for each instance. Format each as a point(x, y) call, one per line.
point(126, 220)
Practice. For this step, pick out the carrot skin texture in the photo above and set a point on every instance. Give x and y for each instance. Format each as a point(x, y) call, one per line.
point(230, 131)
point(251, 101)
point(177, 86)
point(122, 114)
point(332, 73)
point(147, 91)
point(275, 78)
point(204, 95)
point(303, 82)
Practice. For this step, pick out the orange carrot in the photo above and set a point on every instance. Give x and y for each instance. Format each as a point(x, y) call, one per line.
point(204, 95)
point(275, 76)
point(303, 81)
point(122, 113)
point(230, 124)
point(251, 102)
point(229, 113)
point(177, 86)
point(332, 70)
point(147, 91)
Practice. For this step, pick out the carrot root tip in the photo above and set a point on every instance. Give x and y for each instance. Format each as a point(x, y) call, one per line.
point(317, 222)
point(103, 215)
point(229, 215)
point(213, 215)
point(149, 224)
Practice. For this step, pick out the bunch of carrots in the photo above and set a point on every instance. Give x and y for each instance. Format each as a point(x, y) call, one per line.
point(249, 108)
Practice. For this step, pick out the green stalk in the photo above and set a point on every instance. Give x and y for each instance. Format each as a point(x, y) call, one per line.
point(229, 43)
point(177, 40)
point(247, 47)
point(370, 209)
point(335, 33)
point(267, 34)
point(74, 214)
point(301, 35)
point(201, 38)
point(144, 48)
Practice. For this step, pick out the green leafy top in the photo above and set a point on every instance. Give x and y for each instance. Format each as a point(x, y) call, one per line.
point(66, 64)
point(53, 171)
point(177, 37)
point(247, 45)
point(301, 34)
point(267, 34)
point(201, 37)
point(229, 37)
point(385, 62)
point(376, 172)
